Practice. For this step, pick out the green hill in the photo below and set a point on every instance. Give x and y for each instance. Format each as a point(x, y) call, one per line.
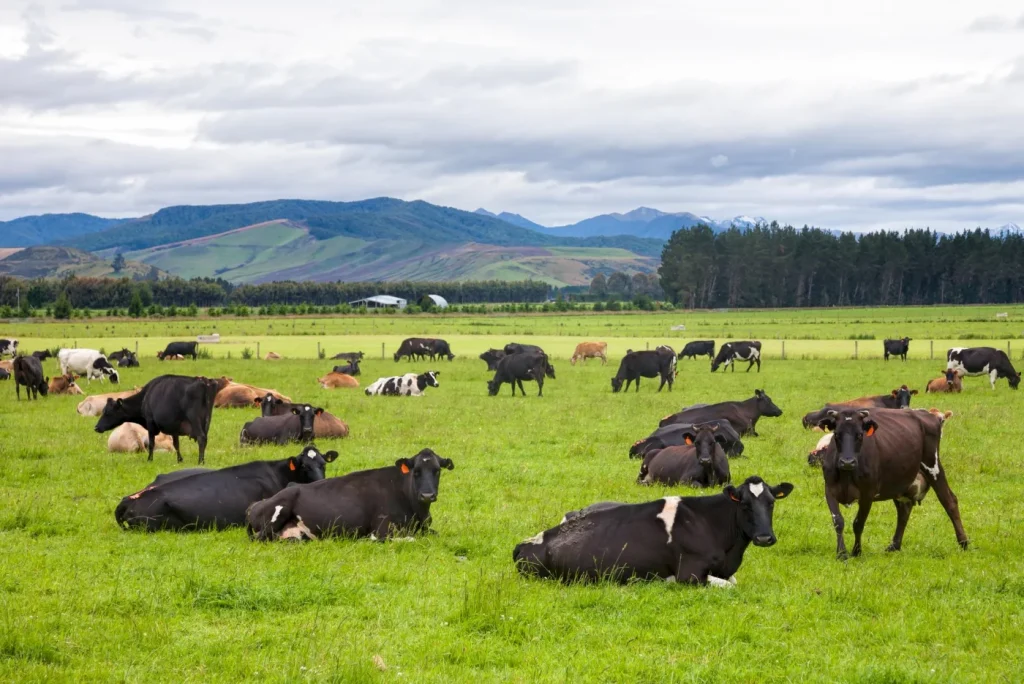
point(55, 262)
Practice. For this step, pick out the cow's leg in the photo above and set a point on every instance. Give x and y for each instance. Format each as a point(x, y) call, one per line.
point(177, 447)
point(838, 523)
point(201, 441)
point(522, 392)
point(17, 389)
point(949, 502)
point(758, 363)
point(992, 377)
point(638, 383)
point(863, 510)
point(540, 386)
point(903, 510)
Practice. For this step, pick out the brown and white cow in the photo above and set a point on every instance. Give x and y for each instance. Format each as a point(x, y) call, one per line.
point(590, 350)
point(131, 438)
point(272, 356)
point(951, 381)
point(65, 384)
point(92, 406)
point(336, 380)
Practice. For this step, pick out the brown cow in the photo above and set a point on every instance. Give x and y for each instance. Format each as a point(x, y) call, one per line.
point(7, 365)
point(884, 455)
point(898, 398)
point(336, 380)
point(65, 384)
point(590, 350)
point(240, 395)
point(272, 356)
point(132, 438)
point(93, 406)
point(951, 381)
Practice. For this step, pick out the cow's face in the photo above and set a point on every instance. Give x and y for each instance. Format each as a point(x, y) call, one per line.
point(850, 428)
point(724, 355)
point(397, 356)
point(306, 414)
point(425, 470)
point(704, 438)
point(549, 370)
point(906, 340)
point(114, 414)
point(44, 386)
point(268, 403)
point(902, 395)
point(492, 387)
point(950, 376)
point(616, 384)
point(1014, 381)
point(766, 406)
point(111, 373)
point(756, 501)
point(310, 465)
point(430, 378)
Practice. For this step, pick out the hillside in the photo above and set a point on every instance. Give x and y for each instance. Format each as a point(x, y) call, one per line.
point(56, 262)
point(39, 230)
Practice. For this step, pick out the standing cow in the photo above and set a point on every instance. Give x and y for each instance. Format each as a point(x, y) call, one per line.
point(730, 352)
point(28, 371)
point(415, 348)
point(983, 361)
point(180, 349)
point(896, 348)
point(590, 350)
point(699, 348)
point(515, 368)
point(87, 362)
point(646, 364)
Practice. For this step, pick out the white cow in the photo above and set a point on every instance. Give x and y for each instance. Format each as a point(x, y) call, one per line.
point(408, 385)
point(86, 362)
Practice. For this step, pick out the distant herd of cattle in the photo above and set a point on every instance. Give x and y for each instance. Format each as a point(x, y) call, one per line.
point(875, 448)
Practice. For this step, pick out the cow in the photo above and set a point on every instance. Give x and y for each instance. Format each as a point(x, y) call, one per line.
point(590, 350)
point(126, 359)
point(440, 348)
point(294, 426)
point(647, 364)
point(217, 499)
point(28, 371)
point(348, 356)
point(350, 368)
point(899, 398)
point(120, 354)
point(491, 358)
point(692, 540)
point(896, 348)
point(675, 435)
point(64, 384)
point(8, 348)
point(884, 455)
point(949, 382)
point(700, 461)
point(817, 454)
point(182, 349)
point(93, 406)
point(414, 347)
point(699, 348)
point(983, 361)
point(516, 348)
point(730, 352)
point(514, 368)
point(408, 385)
point(240, 395)
point(5, 374)
point(378, 503)
point(88, 363)
point(743, 415)
point(7, 365)
point(43, 354)
point(133, 438)
point(173, 404)
point(325, 425)
point(335, 380)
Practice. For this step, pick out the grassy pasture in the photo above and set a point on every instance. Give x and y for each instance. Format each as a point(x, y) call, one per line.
point(84, 601)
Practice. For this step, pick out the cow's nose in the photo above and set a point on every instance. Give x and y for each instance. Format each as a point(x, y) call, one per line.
point(847, 464)
point(764, 539)
point(704, 461)
point(428, 497)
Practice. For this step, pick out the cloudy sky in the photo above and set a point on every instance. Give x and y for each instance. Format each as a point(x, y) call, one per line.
point(873, 114)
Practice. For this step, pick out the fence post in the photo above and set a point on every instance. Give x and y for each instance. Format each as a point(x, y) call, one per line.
point(1008, 354)
point(136, 347)
point(931, 349)
point(648, 346)
point(855, 347)
point(382, 351)
point(783, 350)
point(318, 349)
point(257, 350)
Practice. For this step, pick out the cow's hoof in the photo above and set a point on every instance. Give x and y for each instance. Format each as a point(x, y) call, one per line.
point(964, 544)
point(842, 556)
point(891, 548)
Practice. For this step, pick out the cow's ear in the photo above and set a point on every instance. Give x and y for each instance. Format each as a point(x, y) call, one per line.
point(404, 464)
point(781, 491)
point(894, 393)
point(446, 463)
point(758, 393)
point(118, 402)
point(913, 392)
point(318, 412)
point(295, 410)
point(733, 493)
point(330, 456)
point(292, 465)
point(869, 427)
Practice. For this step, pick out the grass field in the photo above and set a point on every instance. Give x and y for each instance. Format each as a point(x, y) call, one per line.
point(84, 601)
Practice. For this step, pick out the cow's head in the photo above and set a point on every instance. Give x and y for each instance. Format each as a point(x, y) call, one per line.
point(44, 386)
point(268, 404)
point(1014, 381)
point(397, 355)
point(616, 384)
point(492, 387)
point(549, 370)
point(724, 355)
point(111, 373)
point(766, 406)
point(306, 414)
point(310, 465)
point(428, 379)
point(114, 414)
point(424, 470)
point(755, 500)
point(906, 340)
point(950, 376)
point(705, 437)
point(902, 395)
point(851, 427)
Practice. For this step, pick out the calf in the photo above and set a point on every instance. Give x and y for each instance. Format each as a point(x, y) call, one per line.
point(675, 435)
point(28, 371)
point(334, 380)
point(377, 503)
point(325, 425)
point(884, 455)
point(93, 406)
point(731, 352)
point(590, 350)
point(8, 347)
point(491, 358)
point(88, 363)
point(408, 385)
point(133, 438)
point(700, 461)
point(516, 348)
point(694, 540)
point(350, 368)
point(896, 348)
point(514, 368)
point(699, 348)
point(64, 384)
point(983, 361)
point(294, 426)
point(217, 499)
point(646, 364)
point(949, 382)
point(743, 415)
point(182, 349)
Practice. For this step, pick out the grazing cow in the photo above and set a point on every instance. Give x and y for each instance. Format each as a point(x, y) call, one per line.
point(440, 348)
point(949, 382)
point(675, 435)
point(348, 356)
point(884, 455)
point(700, 461)
point(743, 415)
point(693, 540)
point(350, 368)
point(514, 368)
point(28, 371)
point(8, 347)
point(182, 349)
point(93, 406)
point(491, 358)
point(87, 362)
point(173, 404)
point(43, 354)
point(896, 348)
point(590, 350)
point(294, 426)
point(647, 364)
point(415, 347)
point(516, 348)
point(699, 348)
point(5, 374)
point(377, 503)
point(240, 395)
point(730, 352)
point(325, 426)
point(64, 384)
point(335, 380)
point(408, 385)
point(217, 499)
point(983, 361)
point(132, 438)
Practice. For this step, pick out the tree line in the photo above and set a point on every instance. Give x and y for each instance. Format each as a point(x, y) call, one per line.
point(776, 266)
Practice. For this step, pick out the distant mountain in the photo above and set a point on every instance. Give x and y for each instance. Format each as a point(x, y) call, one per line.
point(38, 230)
point(514, 219)
point(1010, 229)
point(56, 262)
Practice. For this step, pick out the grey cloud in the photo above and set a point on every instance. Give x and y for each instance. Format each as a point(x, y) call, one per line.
point(133, 9)
point(996, 24)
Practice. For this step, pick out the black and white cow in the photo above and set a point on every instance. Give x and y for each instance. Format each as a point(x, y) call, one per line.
point(408, 385)
point(896, 348)
point(983, 361)
point(694, 540)
point(8, 347)
point(698, 348)
point(730, 352)
point(88, 362)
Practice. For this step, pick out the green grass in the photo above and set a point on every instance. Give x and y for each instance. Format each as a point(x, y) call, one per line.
point(83, 601)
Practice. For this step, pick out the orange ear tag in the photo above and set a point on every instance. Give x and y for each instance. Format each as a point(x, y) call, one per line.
point(733, 497)
point(871, 430)
point(405, 469)
point(689, 442)
point(291, 465)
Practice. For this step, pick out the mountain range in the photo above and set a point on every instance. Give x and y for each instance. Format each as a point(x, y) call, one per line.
point(642, 222)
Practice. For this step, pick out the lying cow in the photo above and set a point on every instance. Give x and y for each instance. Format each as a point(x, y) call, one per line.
point(377, 503)
point(294, 426)
point(491, 358)
point(8, 348)
point(350, 368)
point(731, 352)
point(348, 356)
point(92, 406)
point(65, 384)
point(646, 364)
point(89, 363)
point(743, 415)
point(950, 381)
point(181, 349)
point(130, 438)
point(272, 356)
point(983, 361)
point(325, 425)
point(514, 368)
point(590, 350)
point(5, 374)
point(219, 498)
point(897, 399)
point(700, 461)
point(28, 372)
point(240, 395)
point(675, 435)
point(694, 540)
point(408, 385)
point(335, 380)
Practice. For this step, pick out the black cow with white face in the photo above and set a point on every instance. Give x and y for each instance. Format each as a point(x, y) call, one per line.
point(730, 352)
point(694, 540)
point(896, 348)
point(983, 361)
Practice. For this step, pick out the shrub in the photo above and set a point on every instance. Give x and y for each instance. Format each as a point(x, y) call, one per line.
point(247, 353)
point(204, 353)
point(613, 305)
point(193, 310)
point(598, 306)
point(62, 309)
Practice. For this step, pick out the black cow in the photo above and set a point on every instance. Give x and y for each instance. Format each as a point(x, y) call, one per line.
point(415, 348)
point(675, 435)
point(118, 355)
point(514, 368)
point(216, 499)
point(348, 356)
point(647, 364)
point(983, 361)
point(440, 348)
point(43, 354)
point(700, 461)
point(694, 540)
point(175, 405)
point(163, 478)
point(350, 368)
point(896, 348)
point(8, 347)
point(131, 361)
point(295, 426)
point(730, 352)
point(4, 374)
point(516, 348)
point(699, 348)
point(375, 503)
point(743, 415)
point(28, 371)
point(180, 349)
point(491, 358)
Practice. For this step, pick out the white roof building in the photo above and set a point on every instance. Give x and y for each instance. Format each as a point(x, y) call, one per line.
point(380, 302)
point(439, 301)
